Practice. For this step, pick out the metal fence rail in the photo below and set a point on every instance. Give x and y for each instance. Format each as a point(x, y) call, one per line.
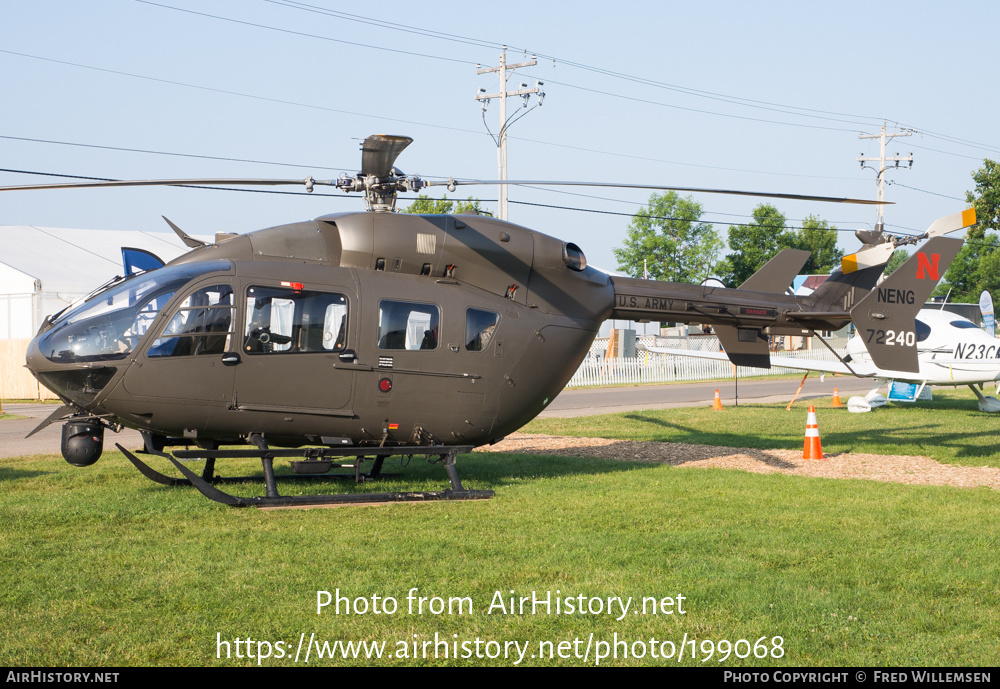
point(668, 368)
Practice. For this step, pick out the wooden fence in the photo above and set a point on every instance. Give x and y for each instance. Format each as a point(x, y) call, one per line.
point(16, 382)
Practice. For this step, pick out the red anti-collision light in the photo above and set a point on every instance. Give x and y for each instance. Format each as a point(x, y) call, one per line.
point(385, 385)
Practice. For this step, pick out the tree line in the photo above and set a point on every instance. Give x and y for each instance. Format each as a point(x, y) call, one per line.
point(668, 239)
point(676, 245)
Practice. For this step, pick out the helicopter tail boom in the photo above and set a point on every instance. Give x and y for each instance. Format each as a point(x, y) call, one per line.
point(744, 319)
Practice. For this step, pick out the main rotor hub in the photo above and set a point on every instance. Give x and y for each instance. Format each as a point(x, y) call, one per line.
point(380, 193)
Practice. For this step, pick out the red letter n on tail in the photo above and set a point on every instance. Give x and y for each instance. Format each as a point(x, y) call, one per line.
point(927, 268)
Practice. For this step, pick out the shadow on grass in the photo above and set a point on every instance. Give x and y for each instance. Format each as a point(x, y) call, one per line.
point(689, 434)
point(14, 474)
point(633, 453)
point(478, 471)
point(879, 437)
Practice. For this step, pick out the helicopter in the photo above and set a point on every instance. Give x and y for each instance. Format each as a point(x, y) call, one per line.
point(359, 336)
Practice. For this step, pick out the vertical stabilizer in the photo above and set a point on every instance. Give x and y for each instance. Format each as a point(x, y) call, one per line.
point(886, 318)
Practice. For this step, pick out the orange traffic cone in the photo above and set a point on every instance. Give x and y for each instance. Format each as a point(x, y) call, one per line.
point(717, 403)
point(836, 399)
point(812, 449)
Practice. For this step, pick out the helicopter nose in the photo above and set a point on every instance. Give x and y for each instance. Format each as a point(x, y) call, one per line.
point(33, 357)
point(79, 385)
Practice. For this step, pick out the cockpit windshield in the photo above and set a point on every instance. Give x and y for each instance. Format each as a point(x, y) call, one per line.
point(109, 325)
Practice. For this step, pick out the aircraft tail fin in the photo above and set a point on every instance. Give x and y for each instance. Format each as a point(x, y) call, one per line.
point(886, 318)
point(776, 275)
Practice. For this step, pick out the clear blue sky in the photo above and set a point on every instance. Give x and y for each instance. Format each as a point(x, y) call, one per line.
point(128, 74)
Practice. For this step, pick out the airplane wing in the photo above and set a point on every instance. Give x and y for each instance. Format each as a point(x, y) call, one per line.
point(860, 369)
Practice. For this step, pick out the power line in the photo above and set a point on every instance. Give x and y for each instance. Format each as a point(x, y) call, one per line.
point(726, 98)
point(665, 217)
point(237, 93)
point(735, 100)
point(168, 153)
point(924, 191)
point(696, 110)
point(432, 34)
point(794, 110)
point(428, 124)
point(307, 35)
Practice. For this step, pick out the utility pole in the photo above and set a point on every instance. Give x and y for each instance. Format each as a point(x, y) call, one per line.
point(880, 170)
point(504, 70)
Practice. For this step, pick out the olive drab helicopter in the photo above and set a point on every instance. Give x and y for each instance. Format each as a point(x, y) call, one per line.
point(359, 336)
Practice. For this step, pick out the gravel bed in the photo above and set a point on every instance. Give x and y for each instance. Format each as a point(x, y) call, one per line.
point(914, 470)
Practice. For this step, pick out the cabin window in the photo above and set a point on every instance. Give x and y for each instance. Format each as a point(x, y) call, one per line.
point(201, 324)
point(281, 320)
point(964, 325)
point(408, 325)
point(479, 328)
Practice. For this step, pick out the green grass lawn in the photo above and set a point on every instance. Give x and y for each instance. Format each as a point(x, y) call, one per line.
point(949, 429)
point(102, 567)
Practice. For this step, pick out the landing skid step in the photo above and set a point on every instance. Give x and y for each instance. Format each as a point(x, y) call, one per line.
point(204, 482)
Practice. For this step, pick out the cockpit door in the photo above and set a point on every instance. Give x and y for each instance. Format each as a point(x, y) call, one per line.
point(185, 360)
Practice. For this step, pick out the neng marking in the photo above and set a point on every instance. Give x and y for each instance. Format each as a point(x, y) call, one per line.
point(896, 296)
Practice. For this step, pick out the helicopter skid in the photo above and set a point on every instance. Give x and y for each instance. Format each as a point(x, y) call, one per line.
point(204, 483)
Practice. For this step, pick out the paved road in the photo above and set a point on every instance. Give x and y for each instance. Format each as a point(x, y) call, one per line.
point(14, 444)
point(578, 402)
point(588, 401)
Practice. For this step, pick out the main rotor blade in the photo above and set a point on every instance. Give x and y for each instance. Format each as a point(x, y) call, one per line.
point(170, 183)
point(620, 185)
point(379, 152)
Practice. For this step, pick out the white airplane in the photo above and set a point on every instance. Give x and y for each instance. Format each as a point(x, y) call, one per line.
point(951, 350)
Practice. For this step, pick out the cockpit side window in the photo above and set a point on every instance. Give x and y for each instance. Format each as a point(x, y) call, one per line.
point(202, 324)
